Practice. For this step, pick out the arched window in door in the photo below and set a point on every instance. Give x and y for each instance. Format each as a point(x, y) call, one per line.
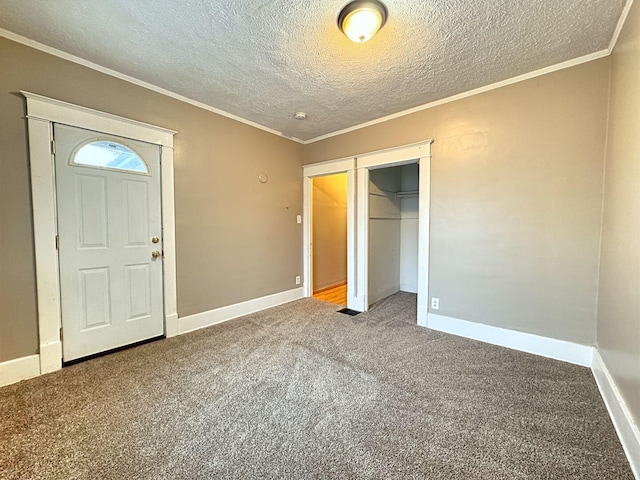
point(110, 155)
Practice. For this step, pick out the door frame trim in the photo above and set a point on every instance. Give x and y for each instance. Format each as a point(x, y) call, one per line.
point(403, 155)
point(357, 168)
point(333, 167)
point(42, 113)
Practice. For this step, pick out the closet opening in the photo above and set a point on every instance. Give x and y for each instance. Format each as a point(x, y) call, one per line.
point(393, 230)
point(329, 238)
point(409, 262)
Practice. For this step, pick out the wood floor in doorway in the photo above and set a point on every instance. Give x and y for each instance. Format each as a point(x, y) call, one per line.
point(337, 295)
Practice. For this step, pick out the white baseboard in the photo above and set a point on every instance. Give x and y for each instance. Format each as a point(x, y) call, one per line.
point(50, 357)
point(357, 302)
point(206, 319)
point(423, 316)
point(19, 369)
point(621, 417)
point(171, 325)
point(525, 342)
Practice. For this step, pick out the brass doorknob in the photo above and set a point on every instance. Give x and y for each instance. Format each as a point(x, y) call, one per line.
point(156, 254)
point(155, 239)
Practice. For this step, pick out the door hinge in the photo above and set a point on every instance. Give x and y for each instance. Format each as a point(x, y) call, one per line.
point(53, 147)
point(57, 242)
point(60, 333)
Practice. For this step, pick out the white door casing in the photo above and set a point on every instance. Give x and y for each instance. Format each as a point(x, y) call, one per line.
point(358, 214)
point(389, 158)
point(42, 112)
point(317, 170)
point(109, 223)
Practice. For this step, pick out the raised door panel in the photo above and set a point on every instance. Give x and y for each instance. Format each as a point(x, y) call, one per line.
point(91, 211)
point(137, 291)
point(95, 297)
point(136, 213)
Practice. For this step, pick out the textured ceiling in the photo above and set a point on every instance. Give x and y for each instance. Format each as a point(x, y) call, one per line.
point(263, 60)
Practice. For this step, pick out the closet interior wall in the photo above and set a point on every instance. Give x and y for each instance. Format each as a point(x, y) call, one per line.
point(393, 231)
point(409, 183)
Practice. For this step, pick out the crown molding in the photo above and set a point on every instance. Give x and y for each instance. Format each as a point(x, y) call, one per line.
point(127, 78)
point(510, 81)
point(621, 22)
point(476, 91)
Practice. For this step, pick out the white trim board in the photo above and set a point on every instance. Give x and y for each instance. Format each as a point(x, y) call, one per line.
point(524, 342)
point(330, 167)
point(19, 369)
point(394, 156)
point(357, 168)
point(53, 110)
point(625, 426)
point(621, 22)
point(127, 78)
point(342, 165)
point(223, 314)
point(419, 152)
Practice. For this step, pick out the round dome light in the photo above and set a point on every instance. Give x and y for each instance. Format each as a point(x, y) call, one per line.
point(361, 19)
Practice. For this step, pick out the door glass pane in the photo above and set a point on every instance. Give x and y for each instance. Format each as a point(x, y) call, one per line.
point(112, 155)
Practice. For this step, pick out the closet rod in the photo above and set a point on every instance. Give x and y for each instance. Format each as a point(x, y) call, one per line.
point(409, 193)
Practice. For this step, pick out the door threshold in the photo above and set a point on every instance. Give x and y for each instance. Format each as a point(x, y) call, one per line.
point(108, 352)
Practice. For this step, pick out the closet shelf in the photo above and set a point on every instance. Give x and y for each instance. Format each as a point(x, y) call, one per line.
point(408, 193)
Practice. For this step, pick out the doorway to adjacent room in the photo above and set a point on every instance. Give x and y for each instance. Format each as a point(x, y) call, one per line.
point(412, 188)
point(329, 238)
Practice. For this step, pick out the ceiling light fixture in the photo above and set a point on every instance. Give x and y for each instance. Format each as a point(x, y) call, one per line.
point(361, 19)
point(300, 116)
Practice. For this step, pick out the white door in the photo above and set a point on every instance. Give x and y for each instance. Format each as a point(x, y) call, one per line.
point(110, 242)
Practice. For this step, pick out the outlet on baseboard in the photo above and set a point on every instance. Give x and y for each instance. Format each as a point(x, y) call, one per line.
point(435, 303)
point(297, 279)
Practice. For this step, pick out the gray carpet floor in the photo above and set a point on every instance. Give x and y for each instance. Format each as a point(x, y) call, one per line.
point(300, 391)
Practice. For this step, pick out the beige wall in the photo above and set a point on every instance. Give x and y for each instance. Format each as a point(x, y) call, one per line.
point(516, 198)
point(516, 194)
point(619, 299)
point(329, 230)
point(237, 239)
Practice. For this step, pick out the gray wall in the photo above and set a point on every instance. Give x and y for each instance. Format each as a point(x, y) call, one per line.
point(410, 181)
point(393, 231)
point(619, 294)
point(516, 199)
point(384, 233)
point(329, 231)
point(237, 239)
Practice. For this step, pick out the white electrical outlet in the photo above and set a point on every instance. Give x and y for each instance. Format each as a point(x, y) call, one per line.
point(297, 279)
point(435, 303)
point(298, 218)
